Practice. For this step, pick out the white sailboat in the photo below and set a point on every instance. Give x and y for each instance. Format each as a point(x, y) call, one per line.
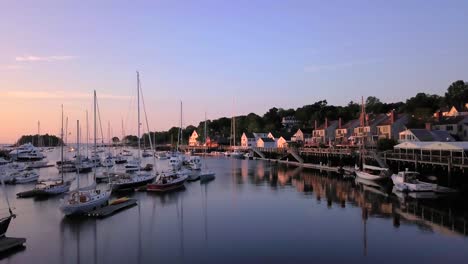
point(54, 187)
point(372, 173)
point(84, 200)
point(206, 174)
point(140, 177)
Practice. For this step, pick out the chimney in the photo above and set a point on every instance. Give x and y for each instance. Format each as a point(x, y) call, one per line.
point(392, 116)
point(367, 120)
point(339, 123)
point(326, 123)
point(428, 126)
point(315, 125)
point(439, 116)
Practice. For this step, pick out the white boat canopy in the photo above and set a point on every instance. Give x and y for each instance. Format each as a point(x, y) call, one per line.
point(434, 146)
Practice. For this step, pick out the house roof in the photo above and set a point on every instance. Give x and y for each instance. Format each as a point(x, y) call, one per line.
point(267, 139)
point(330, 123)
point(351, 124)
point(398, 118)
point(434, 135)
point(376, 120)
point(436, 145)
point(249, 135)
point(285, 135)
point(448, 120)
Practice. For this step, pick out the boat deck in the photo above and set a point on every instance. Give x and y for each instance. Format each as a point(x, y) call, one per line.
point(7, 243)
point(111, 209)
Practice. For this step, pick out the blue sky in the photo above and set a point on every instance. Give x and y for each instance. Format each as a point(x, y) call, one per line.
point(263, 53)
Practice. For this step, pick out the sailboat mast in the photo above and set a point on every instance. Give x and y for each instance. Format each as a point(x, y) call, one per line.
point(87, 133)
point(66, 131)
point(95, 134)
point(61, 148)
point(138, 100)
point(78, 153)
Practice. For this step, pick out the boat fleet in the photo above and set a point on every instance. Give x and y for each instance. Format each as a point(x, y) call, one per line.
point(403, 182)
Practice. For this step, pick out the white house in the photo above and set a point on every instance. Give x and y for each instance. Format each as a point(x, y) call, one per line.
point(281, 142)
point(248, 140)
point(300, 136)
point(193, 139)
point(266, 142)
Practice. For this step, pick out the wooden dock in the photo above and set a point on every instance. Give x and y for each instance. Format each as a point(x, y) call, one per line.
point(111, 209)
point(7, 243)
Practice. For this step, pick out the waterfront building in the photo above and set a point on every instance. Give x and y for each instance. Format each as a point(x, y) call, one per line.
point(457, 126)
point(193, 139)
point(290, 122)
point(325, 133)
point(343, 133)
point(453, 111)
point(366, 132)
point(392, 125)
point(300, 136)
point(248, 140)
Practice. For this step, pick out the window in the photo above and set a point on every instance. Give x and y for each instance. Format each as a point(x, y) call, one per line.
point(449, 128)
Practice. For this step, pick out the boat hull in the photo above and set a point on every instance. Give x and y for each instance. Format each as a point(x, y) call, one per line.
point(371, 177)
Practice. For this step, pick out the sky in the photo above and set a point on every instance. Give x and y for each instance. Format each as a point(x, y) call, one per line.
point(218, 57)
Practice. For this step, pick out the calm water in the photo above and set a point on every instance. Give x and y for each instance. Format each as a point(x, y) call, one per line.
point(253, 212)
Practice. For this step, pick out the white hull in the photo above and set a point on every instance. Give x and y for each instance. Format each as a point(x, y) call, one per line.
point(371, 177)
point(82, 208)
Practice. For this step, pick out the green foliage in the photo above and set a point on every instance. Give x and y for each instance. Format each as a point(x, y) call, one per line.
point(40, 140)
point(457, 94)
point(384, 144)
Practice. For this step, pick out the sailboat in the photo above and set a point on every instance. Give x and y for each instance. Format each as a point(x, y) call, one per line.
point(140, 177)
point(54, 187)
point(108, 161)
point(84, 200)
point(5, 221)
point(206, 174)
point(174, 179)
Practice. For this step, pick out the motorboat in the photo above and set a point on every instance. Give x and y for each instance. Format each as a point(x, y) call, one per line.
point(36, 164)
point(33, 155)
point(26, 176)
point(167, 181)
point(373, 173)
point(120, 159)
point(132, 166)
point(146, 154)
point(175, 162)
point(127, 153)
point(408, 181)
point(108, 162)
point(84, 166)
point(195, 163)
point(248, 156)
point(128, 181)
point(237, 154)
point(66, 166)
point(206, 176)
point(21, 150)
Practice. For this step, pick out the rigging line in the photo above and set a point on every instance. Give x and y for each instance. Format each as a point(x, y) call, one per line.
point(100, 123)
point(149, 132)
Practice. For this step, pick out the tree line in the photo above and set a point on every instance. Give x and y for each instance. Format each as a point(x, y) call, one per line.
point(420, 108)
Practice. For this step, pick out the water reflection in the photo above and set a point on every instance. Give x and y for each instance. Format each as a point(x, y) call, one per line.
point(251, 210)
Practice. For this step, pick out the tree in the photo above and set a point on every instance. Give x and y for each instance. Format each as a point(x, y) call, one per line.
point(457, 94)
point(373, 105)
point(384, 144)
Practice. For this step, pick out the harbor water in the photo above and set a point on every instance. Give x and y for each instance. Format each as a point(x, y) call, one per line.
point(253, 212)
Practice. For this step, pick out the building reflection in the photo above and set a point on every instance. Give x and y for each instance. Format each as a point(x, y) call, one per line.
point(375, 200)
